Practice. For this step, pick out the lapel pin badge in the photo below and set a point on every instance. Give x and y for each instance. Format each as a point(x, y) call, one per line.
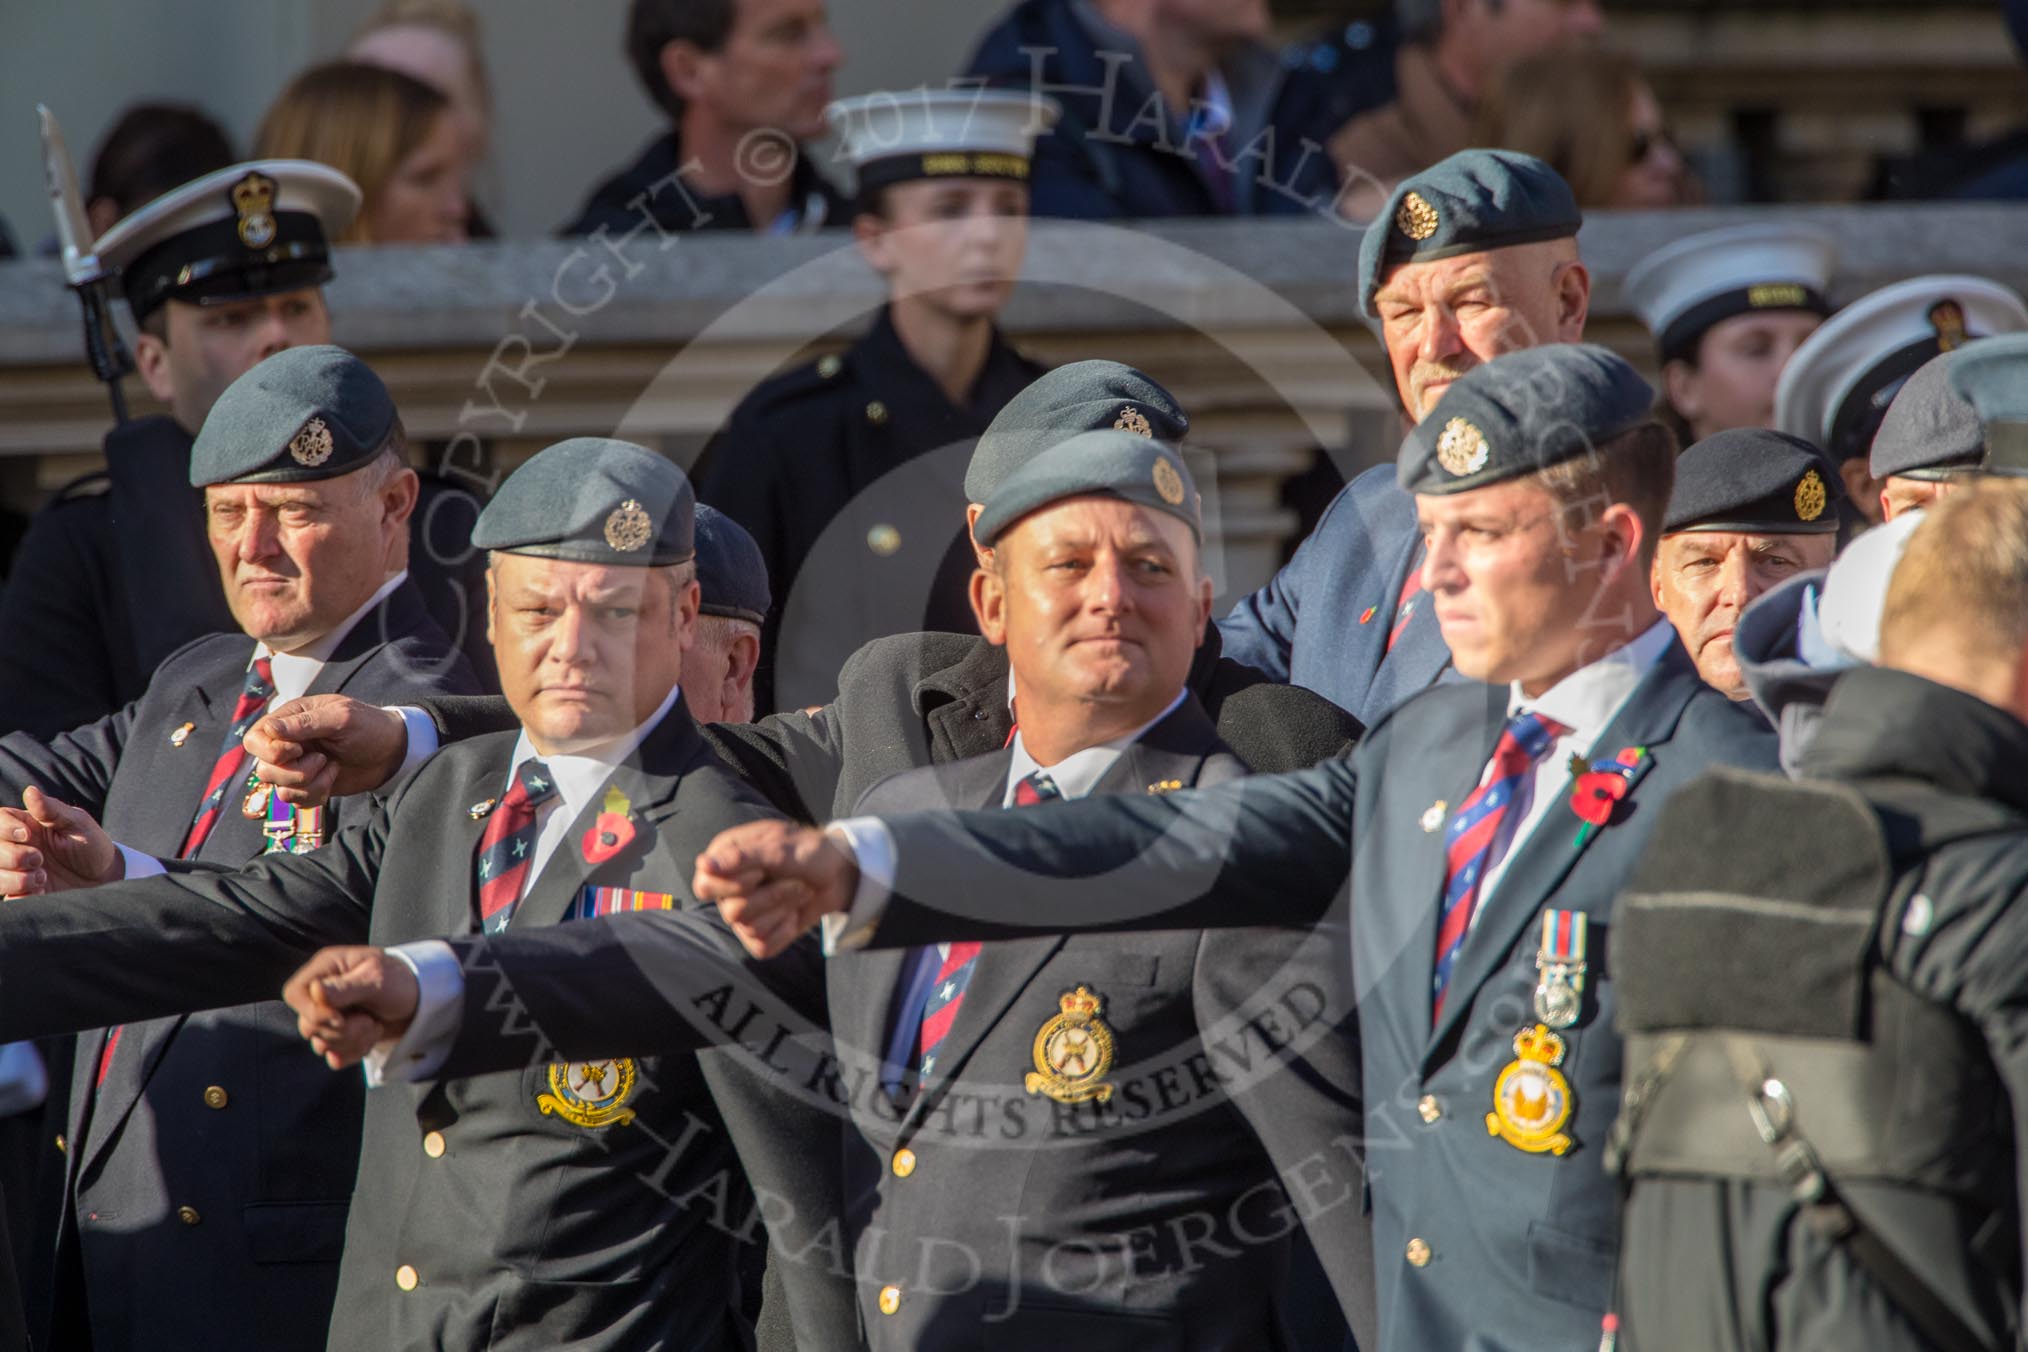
point(482, 807)
point(1433, 816)
point(181, 735)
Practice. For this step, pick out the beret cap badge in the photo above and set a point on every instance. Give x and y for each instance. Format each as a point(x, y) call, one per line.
point(311, 446)
point(628, 527)
point(1811, 497)
point(1416, 218)
point(1133, 420)
point(1462, 448)
point(253, 201)
point(1168, 483)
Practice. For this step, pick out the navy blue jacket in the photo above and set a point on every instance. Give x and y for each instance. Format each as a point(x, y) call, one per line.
point(1322, 622)
point(1120, 152)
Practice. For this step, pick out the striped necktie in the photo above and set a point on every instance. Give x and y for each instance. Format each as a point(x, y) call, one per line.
point(1468, 843)
point(253, 699)
point(508, 846)
point(954, 973)
point(254, 695)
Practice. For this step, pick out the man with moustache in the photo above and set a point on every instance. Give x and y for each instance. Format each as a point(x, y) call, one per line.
point(1119, 1192)
point(1473, 257)
point(1489, 827)
point(1752, 508)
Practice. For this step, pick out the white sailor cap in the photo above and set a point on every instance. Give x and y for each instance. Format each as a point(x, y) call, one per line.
point(1836, 388)
point(1685, 287)
point(941, 133)
point(246, 230)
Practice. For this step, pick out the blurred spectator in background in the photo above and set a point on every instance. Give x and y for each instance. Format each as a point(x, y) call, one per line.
point(437, 42)
point(390, 133)
point(152, 148)
point(1591, 115)
point(1727, 309)
point(1453, 52)
point(1170, 108)
point(745, 84)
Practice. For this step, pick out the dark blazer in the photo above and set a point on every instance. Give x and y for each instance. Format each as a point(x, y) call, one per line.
point(1520, 1245)
point(914, 699)
point(1118, 152)
point(522, 1228)
point(113, 576)
point(1322, 621)
point(258, 1268)
point(983, 1213)
point(841, 470)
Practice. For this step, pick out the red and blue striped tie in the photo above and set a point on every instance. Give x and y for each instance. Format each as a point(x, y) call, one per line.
point(1468, 842)
point(954, 973)
point(253, 698)
point(1404, 608)
point(508, 846)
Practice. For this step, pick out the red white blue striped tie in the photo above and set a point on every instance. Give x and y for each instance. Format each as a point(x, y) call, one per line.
point(254, 695)
point(1468, 842)
point(508, 845)
point(954, 973)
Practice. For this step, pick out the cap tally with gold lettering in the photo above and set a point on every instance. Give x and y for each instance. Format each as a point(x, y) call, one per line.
point(1684, 288)
point(1109, 463)
point(1837, 387)
point(1522, 412)
point(893, 137)
point(593, 500)
point(248, 230)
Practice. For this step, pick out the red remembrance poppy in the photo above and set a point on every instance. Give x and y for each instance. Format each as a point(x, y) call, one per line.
point(1595, 793)
point(610, 834)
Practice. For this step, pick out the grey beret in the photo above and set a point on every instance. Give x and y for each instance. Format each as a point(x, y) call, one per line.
point(1473, 201)
point(1084, 396)
point(1522, 412)
point(1116, 464)
point(1930, 431)
point(731, 574)
point(1993, 376)
point(593, 500)
point(1756, 480)
point(305, 413)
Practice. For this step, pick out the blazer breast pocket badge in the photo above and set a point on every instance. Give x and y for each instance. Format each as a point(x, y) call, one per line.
point(1073, 1051)
point(590, 1093)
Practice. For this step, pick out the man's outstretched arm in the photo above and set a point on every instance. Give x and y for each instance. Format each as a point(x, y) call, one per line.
point(1270, 850)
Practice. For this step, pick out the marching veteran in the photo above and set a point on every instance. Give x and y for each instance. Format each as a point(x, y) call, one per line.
point(540, 1206)
point(1751, 509)
point(1490, 823)
point(1073, 1139)
point(307, 496)
point(1473, 257)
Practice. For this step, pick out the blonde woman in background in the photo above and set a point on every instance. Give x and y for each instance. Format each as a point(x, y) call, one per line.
point(393, 135)
point(1591, 116)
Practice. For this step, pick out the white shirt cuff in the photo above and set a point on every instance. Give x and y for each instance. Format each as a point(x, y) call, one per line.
point(439, 1013)
point(139, 865)
point(871, 844)
point(422, 737)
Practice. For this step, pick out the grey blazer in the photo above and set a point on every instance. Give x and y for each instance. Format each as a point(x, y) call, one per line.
point(493, 1212)
point(1479, 1244)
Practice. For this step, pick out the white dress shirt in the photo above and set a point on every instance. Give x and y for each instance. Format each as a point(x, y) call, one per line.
point(1585, 703)
point(872, 845)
